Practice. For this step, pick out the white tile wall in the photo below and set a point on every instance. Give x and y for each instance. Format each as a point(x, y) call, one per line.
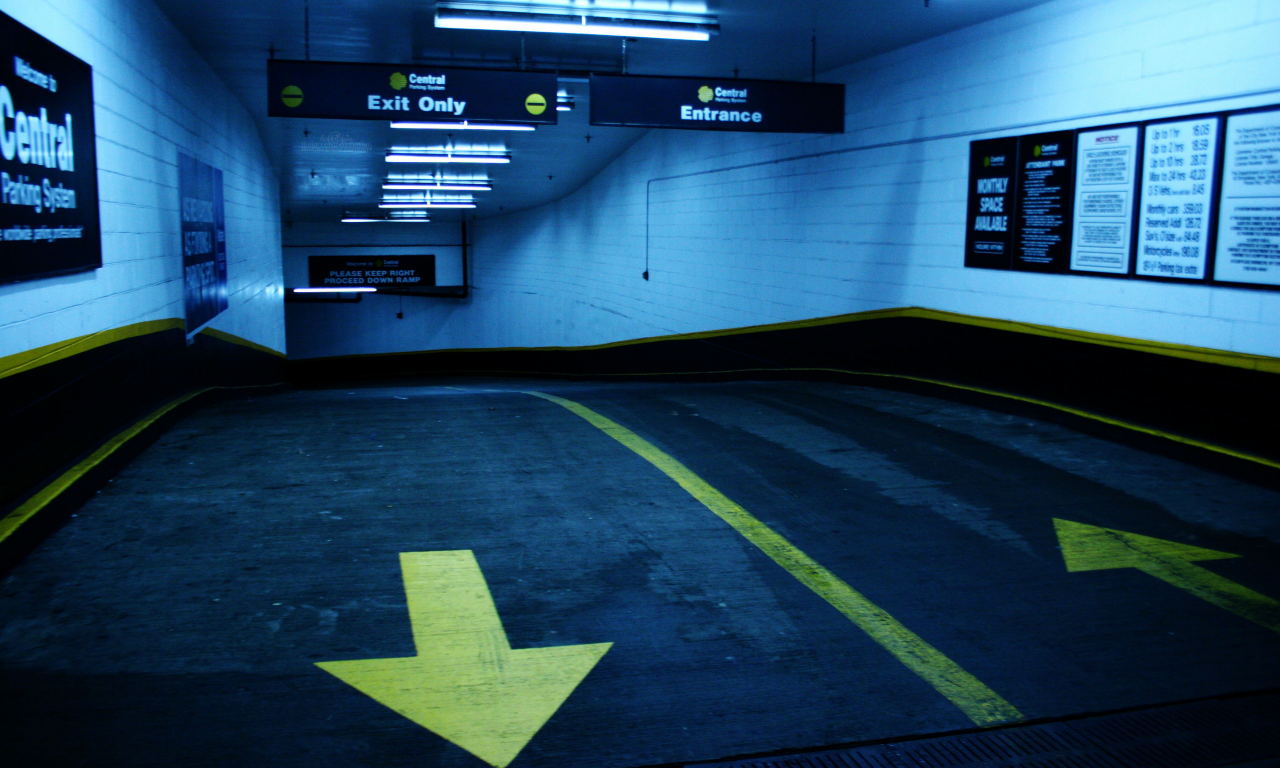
point(154, 97)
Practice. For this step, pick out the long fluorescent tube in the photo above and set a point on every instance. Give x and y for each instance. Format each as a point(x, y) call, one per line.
point(573, 25)
point(358, 220)
point(463, 125)
point(334, 290)
point(369, 220)
point(426, 205)
point(441, 157)
point(445, 186)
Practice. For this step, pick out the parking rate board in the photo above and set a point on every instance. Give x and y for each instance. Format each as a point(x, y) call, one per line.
point(1249, 230)
point(1045, 181)
point(990, 221)
point(1106, 164)
point(712, 104)
point(408, 92)
point(1175, 211)
point(48, 167)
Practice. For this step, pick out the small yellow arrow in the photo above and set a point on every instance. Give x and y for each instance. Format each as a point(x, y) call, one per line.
point(467, 684)
point(1090, 548)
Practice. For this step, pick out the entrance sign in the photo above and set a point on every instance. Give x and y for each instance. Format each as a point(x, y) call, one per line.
point(992, 186)
point(408, 92)
point(204, 241)
point(1249, 229)
point(371, 271)
point(1045, 181)
point(1176, 208)
point(48, 168)
point(1106, 164)
point(708, 104)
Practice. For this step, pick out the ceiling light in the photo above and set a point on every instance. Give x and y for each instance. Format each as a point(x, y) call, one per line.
point(358, 220)
point(426, 205)
point(444, 157)
point(463, 125)
point(461, 186)
point(334, 290)
point(605, 22)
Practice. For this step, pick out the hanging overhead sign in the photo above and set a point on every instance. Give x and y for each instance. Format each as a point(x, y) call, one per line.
point(708, 104)
point(408, 92)
point(1176, 209)
point(1106, 166)
point(48, 169)
point(1249, 232)
point(372, 271)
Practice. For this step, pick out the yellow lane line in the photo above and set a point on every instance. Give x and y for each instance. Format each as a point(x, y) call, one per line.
point(983, 705)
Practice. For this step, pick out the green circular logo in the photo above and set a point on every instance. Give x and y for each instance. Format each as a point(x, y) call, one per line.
point(986, 161)
point(705, 94)
point(398, 80)
point(291, 96)
point(1036, 151)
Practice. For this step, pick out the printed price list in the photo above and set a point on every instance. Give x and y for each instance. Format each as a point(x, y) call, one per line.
point(1176, 203)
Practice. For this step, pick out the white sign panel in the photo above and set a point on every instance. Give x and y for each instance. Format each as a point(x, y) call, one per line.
point(1106, 162)
point(1177, 185)
point(1249, 216)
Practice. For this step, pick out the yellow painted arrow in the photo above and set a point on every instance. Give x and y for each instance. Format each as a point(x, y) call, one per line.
point(467, 684)
point(1090, 548)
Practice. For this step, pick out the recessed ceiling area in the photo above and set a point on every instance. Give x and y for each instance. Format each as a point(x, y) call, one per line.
point(328, 168)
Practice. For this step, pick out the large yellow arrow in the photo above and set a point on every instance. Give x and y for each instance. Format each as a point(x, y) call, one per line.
point(467, 684)
point(1090, 548)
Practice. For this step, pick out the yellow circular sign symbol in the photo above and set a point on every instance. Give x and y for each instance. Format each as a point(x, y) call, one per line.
point(535, 104)
point(705, 94)
point(291, 96)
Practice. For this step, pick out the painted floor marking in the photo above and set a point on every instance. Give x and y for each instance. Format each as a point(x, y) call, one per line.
point(1090, 548)
point(983, 705)
point(466, 683)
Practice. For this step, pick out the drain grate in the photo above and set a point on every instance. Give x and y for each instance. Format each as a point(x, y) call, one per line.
point(1201, 734)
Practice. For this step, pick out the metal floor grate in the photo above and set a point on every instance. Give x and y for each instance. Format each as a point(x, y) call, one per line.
point(1203, 734)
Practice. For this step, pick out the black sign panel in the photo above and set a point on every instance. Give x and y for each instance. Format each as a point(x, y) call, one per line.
point(372, 271)
point(1046, 185)
point(408, 92)
point(709, 104)
point(993, 167)
point(48, 169)
point(204, 241)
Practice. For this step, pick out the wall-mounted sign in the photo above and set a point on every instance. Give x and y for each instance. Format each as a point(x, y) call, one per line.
point(709, 104)
point(1106, 164)
point(1046, 175)
point(1249, 214)
point(993, 167)
point(372, 271)
point(48, 169)
point(204, 241)
point(408, 92)
point(1176, 208)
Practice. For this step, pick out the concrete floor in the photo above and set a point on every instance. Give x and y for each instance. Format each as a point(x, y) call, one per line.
point(178, 619)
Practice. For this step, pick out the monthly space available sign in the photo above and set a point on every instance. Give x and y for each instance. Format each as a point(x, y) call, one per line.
point(992, 186)
point(710, 104)
point(372, 271)
point(1106, 163)
point(398, 92)
point(48, 171)
point(204, 241)
point(1176, 207)
point(1249, 229)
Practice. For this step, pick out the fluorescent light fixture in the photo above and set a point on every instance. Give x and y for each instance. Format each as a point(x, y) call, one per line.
point(358, 220)
point(444, 186)
point(462, 125)
point(426, 205)
point(334, 290)
point(616, 23)
point(444, 157)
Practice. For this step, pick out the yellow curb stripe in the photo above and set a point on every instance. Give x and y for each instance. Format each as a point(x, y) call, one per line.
point(233, 339)
point(983, 705)
point(51, 353)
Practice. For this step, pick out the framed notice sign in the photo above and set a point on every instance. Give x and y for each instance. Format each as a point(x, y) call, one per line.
point(1045, 180)
point(1106, 167)
point(48, 169)
point(992, 183)
point(1175, 211)
point(400, 272)
point(1249, 213)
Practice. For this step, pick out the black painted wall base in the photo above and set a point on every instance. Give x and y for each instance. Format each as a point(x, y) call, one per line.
point(1235, 408)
